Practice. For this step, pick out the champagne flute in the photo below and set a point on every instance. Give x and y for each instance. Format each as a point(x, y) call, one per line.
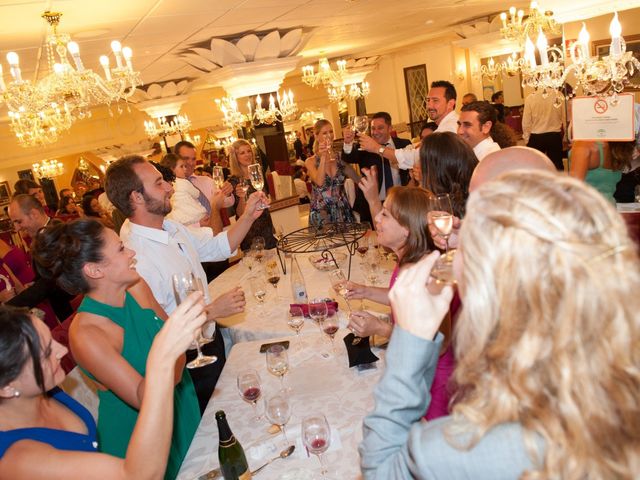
point(278, 410)
point(244, 185)
point(278, 362)
point(183, 286)
point(318, 311)
point(259, 288)
point(257, 180)
point(218, 176)
point(316, 436)
point(441, 215)
point(250, 390)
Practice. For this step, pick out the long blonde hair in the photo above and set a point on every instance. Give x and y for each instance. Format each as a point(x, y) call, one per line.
point(234, 165)
point(549, 336)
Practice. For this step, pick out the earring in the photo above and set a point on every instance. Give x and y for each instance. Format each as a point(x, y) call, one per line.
point(16, 393)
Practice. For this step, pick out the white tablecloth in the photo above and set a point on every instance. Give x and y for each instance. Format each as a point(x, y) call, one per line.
point(269, 320)
point(318, 384)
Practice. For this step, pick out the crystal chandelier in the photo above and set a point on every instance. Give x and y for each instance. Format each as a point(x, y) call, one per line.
point(232, 116)
point(353, 92)
point(167, 126)
point(273, 114)
point(516, 27)
point(325, 76)
point(48, 169)
point(40, 110)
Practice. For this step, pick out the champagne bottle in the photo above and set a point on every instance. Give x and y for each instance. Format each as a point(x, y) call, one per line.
point(233, 462)
point(298, 287)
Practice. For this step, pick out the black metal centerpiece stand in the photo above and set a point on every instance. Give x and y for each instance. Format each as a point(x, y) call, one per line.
point(322, 239)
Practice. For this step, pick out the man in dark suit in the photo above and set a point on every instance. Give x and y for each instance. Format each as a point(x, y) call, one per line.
point(28, 217)
point(388, 174)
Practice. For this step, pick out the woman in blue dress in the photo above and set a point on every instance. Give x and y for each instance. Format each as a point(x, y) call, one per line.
point(44, 433)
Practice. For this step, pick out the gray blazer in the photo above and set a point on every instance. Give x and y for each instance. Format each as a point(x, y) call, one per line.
point(397, 445)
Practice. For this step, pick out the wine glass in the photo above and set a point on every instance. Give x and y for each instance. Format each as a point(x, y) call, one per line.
point(441, 215)
point(272, 271)
point(248, 260)
point(318, 311)
point(218, 176)
point(278, 362)
point(278, 410)
point(257, 247)
point(202, 338)
point(339, 284)
point(244, 185)
point(259, 288)
point(360, 124)
point(316, 436)
point(330, 327)
point(257, 180)
point(183, 286)
point(249, 388)
point(295, 320)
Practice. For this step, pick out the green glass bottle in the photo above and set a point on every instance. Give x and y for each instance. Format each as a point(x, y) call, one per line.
point(233, 462)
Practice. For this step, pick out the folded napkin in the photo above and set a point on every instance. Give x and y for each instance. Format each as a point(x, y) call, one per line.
point(332, 308)
point(359, 354)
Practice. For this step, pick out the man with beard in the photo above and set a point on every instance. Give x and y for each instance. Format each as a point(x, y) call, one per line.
point(164, 247)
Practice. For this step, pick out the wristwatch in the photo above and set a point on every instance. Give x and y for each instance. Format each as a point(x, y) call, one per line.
point(381, 150)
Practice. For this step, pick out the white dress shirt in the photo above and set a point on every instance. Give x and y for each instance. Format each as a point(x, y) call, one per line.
point(541, 116)
point(485, 147)
point(409, 156)
point(207, 186)
point(173, 249)
point(449, 123)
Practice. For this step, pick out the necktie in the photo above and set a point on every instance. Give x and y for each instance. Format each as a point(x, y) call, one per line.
point(202, 198)
point(388, 176)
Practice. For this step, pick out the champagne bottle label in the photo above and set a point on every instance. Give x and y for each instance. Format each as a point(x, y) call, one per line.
point(245, 476)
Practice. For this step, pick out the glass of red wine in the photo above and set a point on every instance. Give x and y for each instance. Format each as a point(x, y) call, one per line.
point(330, 327)
point(316, 437)
point(250, 390)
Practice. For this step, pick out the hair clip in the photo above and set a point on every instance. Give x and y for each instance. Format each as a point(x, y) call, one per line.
point(608, 253)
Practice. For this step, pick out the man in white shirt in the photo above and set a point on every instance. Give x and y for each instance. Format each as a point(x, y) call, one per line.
point(164, 247)
point(543, 121)
point(441, 107)
point(475, 124)
point(186, 151)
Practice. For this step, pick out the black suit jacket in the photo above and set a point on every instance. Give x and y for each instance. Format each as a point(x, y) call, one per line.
point(366, 160)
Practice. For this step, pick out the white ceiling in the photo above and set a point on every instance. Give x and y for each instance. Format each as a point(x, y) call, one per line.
point(159, 31)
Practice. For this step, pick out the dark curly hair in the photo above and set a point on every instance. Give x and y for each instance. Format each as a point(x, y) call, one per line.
point(19, 341)
point(61, 250)
point(447, 163)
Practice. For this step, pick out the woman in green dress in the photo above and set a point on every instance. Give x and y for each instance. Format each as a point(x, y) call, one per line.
point(112, 333)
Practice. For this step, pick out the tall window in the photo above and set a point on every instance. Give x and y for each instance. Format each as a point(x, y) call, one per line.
point(417, 87)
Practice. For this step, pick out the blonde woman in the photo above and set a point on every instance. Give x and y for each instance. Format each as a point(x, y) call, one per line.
point(547, 345)
point(327, 173)
point(241, 155)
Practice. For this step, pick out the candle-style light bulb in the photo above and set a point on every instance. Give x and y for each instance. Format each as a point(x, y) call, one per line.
point(127, 53)
point(583, 40)
point(104, 61)
point(116, 46)
point(529, 53)
point(14, 63)
point(74, 50)
point(3, 87)
point(542, 47)
point(615, 29)
point(503, 18)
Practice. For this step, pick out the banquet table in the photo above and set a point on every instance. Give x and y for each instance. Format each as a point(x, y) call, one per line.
point(269, 319)
point(320, 381)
